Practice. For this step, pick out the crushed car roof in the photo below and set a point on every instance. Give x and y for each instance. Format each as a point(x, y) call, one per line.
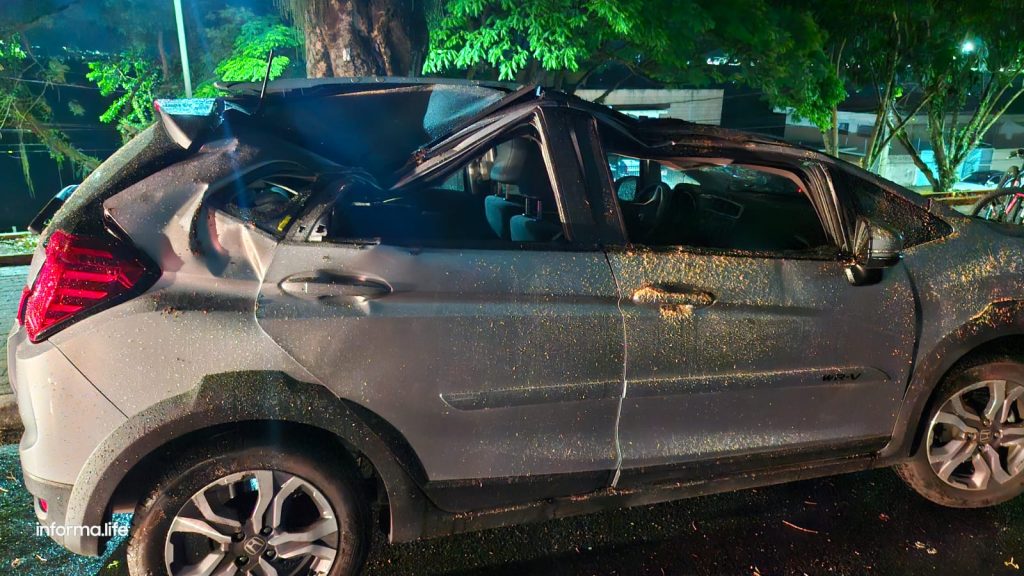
point(654, 130)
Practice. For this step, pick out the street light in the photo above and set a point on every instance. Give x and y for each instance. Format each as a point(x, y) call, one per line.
point(968, 47)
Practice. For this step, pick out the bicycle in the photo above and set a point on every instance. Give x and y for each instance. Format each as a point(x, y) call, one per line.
point(1006, 203)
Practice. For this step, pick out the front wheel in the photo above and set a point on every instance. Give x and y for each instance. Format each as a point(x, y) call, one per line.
point(1003, 205)
point(260, 509)
point(972, 451)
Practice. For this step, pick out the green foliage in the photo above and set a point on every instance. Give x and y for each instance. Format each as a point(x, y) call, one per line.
point(21, 244)
point(781, 50)
point(248, 59)
point(962, 93)
point(207, 90)
point(135, 79)
point(56, 71)
point(24, 108)
point(25, 168)
point(772, 47)
point(508, 35)
point(11, 53)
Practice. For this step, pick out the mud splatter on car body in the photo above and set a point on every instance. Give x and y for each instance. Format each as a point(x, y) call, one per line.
point(487, 381)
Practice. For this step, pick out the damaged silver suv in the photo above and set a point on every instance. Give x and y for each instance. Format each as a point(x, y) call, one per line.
point(273, 323)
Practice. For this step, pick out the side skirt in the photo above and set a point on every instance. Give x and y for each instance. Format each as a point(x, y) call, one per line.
point(438, 523)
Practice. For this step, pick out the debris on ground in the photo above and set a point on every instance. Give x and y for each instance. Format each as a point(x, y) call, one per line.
point(800, 528)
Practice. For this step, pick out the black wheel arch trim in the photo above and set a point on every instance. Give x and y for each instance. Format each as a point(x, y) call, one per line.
point(1000, 319)
point(239, 397)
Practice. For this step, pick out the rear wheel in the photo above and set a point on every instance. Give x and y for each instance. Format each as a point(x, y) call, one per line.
point(267, 510)
point(972, 450)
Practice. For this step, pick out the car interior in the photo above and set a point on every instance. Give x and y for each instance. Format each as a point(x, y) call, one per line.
point(716, 204)
point(502, 196)
point(269, 202)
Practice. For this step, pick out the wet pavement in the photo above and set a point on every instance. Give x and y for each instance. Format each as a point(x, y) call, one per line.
point(865, 523)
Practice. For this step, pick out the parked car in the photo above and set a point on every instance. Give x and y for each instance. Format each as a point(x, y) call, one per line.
point(980, 180)
point(270, 326)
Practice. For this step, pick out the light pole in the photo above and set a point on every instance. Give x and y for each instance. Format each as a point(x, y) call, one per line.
point(184, 49)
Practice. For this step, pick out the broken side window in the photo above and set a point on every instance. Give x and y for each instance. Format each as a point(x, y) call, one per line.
point(716, 204)
point(268, 203)
point(503, 198)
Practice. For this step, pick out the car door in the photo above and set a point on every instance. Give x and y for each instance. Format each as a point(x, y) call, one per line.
point(741, 345)
point(490, 359)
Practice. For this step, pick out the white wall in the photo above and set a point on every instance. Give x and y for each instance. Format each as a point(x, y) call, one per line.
point(700, 106)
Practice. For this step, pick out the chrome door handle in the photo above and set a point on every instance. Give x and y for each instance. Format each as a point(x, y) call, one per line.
point(323, 284)
point(677, 295)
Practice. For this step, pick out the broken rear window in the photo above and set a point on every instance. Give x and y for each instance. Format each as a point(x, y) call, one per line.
point(269, 203)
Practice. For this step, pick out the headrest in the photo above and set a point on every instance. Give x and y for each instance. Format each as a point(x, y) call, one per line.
point(515, 158)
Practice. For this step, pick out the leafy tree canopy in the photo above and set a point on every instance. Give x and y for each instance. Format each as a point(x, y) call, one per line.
point(24, 107)
point(769, 45)
point(248, 59)
point(134, 79)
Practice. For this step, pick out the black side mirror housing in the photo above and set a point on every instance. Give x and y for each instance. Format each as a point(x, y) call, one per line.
point(875, 248)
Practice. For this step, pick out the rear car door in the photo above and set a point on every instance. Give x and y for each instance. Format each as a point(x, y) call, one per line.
point(467, 311)
point(744, 336)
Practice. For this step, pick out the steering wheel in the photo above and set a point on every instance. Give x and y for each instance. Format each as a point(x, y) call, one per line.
point(649, 210)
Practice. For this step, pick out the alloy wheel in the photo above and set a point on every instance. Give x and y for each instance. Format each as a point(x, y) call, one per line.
point(976, 439)
point(263, 522)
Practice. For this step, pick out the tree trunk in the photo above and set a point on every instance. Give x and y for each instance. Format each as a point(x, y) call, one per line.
point(363, 38)
point(947, 177)
point(904, 139)
point(162, 51)
point(830, 137)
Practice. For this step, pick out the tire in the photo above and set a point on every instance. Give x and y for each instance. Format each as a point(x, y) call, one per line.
point(313, 485)
point(943, 444)
point(998, 200)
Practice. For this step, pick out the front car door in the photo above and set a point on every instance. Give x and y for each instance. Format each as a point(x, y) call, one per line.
point(468, 310)
point(743, 335)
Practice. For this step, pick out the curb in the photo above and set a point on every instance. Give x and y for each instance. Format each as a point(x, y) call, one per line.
point(10, 421)
point(16, 260)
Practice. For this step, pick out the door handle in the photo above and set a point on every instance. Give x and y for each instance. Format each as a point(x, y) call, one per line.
point(323, 284)
point(675, 295)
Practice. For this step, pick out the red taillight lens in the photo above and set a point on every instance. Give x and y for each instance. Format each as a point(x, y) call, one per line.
point(21, 305)
point(78, 274)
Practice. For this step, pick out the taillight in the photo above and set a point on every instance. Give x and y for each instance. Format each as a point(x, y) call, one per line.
point(78, 276)
point(21, 305)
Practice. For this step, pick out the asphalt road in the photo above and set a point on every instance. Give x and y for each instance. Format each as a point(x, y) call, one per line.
point(865, 523)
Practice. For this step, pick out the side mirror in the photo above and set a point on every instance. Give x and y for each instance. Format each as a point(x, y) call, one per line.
point(875, 247)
